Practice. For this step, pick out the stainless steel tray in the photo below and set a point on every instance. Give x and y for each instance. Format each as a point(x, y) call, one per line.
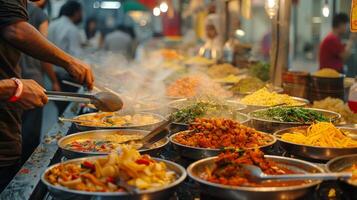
point(166, 192)
point(341, 163)
point(318, 153)
point(184, 102)
point(196, 153)
point(141, 127)
point(270, 126)
point(251, 108)
point(105, 135)
point(196, 169)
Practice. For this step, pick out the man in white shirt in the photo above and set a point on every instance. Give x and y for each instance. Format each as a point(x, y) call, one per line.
point(64, 33)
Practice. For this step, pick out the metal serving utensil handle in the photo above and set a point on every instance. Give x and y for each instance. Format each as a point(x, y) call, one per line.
point(317, 176)
point(69, 94)
point(69, 99)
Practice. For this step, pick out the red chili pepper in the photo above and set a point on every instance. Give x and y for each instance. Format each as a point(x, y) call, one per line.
point(88, 165)
point(74, 176)
point(110, 180)
point(142, 161)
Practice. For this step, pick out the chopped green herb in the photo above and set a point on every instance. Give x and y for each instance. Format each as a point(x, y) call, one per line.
point(296, 114)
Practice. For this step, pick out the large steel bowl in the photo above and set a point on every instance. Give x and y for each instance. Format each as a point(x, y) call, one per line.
point(196, 170)
point(270, 126)
point(150, 126)
point(163, 193)
point(342, 163)
point(184, 102)
point(240, 117)
point(314, 152)
point(105, 134)
point(196, 153)
point(251, 108)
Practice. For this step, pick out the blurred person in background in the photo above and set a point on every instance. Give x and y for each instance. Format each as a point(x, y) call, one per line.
point(16, 94)
point(34, 69)
point(333, 52)
point(121, 40)
point(212, 48)
point(91, 36)
point(64, 33)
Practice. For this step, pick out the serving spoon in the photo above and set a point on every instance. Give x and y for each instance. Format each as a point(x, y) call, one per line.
point(152, 137)
point(258, 175)
point(104, 101)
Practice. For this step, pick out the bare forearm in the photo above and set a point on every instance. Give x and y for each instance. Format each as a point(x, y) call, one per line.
point(48, 68)
point(26, 38)
point(7, 89)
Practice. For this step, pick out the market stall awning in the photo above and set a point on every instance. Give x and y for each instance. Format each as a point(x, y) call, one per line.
point(133, 5)
point(149, 3)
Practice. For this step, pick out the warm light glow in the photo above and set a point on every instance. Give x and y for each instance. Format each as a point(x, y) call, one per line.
point(325, 10)
point(110, 4)
point(164, 7)
point(271, 7)
point(156, 11)
point(240, 32)
point(271, 3)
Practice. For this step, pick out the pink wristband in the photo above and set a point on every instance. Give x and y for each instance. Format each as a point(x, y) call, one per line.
point(18, 91)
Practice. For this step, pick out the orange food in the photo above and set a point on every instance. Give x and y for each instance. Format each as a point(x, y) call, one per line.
point(195, 85)
point(221, 133)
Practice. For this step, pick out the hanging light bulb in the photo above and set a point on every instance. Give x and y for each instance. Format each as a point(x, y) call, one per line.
point(156, 11)
point(164, 7)
point(325, 9)
point(271, 7)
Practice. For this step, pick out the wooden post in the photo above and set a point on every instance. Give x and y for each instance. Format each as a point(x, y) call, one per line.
point(279, 53)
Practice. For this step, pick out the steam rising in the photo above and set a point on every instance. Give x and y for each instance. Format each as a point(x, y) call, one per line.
point(142, 85)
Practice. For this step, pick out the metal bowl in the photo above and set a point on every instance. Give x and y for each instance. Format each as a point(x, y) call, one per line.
point(342, 163)
point(196, 153)
point(240, 117)
point(251, 108)
point(105, 135)
point(314, 152)
point(270, 126)
point(154, 194)
point(184, 102)
point(140, 127)
point(270, 88)
point(196, 169)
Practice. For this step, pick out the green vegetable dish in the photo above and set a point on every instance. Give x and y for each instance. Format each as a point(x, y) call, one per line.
point(202, 109)
point(296, 114)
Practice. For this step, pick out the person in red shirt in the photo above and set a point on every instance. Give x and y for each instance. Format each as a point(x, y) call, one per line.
point(332, 51)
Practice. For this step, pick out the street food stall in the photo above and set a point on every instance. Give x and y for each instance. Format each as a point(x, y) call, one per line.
point(198, 127)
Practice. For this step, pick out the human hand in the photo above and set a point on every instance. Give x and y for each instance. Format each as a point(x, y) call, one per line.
point(81, 72)
point(33, 95)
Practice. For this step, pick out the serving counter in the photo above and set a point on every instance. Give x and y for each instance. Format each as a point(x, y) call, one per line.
point(27, 185)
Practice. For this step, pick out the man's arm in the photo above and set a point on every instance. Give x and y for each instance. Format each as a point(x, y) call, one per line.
point(47, 67)
point(26, 38)
point(32, 94)
point(347, 51)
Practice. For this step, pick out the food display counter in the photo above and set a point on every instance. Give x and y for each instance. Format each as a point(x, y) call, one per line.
point(221, 119)
point(27, 184)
